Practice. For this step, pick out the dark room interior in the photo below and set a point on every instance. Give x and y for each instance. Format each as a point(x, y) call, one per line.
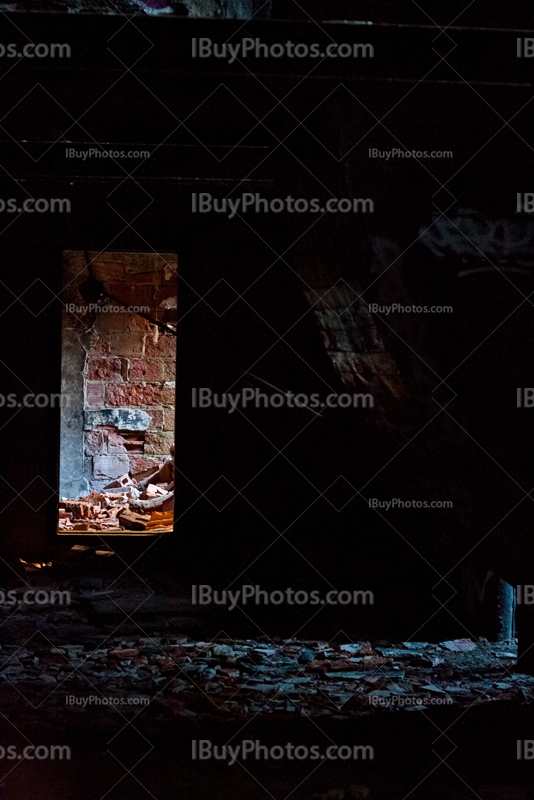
point(267, 293)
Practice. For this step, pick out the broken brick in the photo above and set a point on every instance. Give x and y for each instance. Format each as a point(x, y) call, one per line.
point(141, 464)
point(133, 521)
point(116, 444)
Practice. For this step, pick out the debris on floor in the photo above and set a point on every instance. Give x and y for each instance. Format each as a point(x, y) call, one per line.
point(77, 6)
point(84, 643)
point(171, 674)
point(143, 502)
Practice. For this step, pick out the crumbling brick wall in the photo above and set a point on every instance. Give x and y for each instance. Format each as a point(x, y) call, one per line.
point(128, 365)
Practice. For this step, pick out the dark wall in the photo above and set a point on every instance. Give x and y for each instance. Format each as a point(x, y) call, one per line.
point(267, 481)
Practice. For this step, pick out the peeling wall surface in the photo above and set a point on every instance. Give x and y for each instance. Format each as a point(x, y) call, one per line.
point(118, 369)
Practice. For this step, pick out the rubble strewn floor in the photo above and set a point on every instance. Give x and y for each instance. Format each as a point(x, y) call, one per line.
point(130, 674)
point(172, 674)
point(80, 6)
point(89, 648)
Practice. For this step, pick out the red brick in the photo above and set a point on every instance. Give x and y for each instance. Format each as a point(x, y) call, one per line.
point(162, 395)
point(95, 394)
point(146, 370)
point(100, 347)
point(168, 419)
point(165, 347)
point(142, 463)
point(95, 443)
point(133, 395)
point(116, 444)
point(157, 415)
point(130, 293)
point(127, 344)
point(104, 369)
point(108, 271)
point(170, 370)
point(125, 395)
point(158, 443)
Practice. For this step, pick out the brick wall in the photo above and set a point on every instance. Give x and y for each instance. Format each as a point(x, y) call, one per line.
point(129, 364)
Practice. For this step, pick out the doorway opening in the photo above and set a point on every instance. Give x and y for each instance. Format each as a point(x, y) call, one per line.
point(118, 371)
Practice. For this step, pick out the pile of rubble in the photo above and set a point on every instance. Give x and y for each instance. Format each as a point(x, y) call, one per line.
point(141, 503)
point(173, 674)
